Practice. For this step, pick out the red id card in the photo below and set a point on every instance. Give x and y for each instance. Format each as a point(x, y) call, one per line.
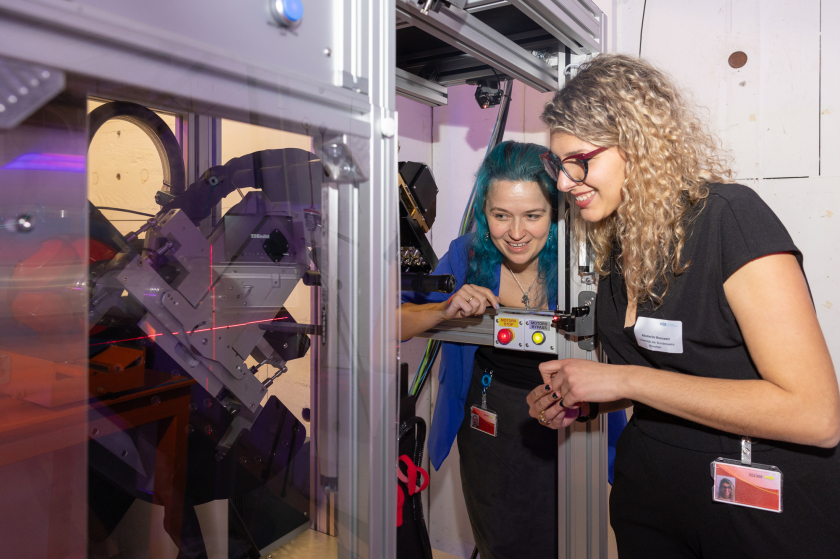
point(483, 420)
point(757, 486)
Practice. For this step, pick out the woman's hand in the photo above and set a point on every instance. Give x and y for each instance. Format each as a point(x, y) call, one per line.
point(470, 300)
point(545, 406)
point(570, 384)
point(582, 380)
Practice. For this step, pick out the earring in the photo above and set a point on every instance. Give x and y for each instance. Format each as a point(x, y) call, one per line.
point(487, 236)
point(549, 236)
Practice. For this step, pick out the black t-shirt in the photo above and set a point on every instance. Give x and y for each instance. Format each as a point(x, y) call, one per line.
point(514, 368)
point(730, 228)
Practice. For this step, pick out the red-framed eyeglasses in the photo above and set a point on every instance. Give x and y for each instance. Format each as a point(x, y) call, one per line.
point(576, 167)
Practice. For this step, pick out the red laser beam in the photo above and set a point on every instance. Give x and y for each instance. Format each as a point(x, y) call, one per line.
point(193, 332)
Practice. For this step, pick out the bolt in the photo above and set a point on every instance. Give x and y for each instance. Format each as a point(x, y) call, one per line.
point(208, 430)
point(327, 52)
point(124, 453)
point(204, 341)
point(190, 429)
point(125, 279)
point(286, 346)
point(94, 432)
point(155, 400)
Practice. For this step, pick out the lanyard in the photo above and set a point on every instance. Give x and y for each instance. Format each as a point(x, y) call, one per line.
point(486, 380)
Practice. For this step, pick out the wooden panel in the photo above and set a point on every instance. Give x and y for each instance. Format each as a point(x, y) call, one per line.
point(790, 85)
point(810, 209)
point(767, 111)
point(830, 90)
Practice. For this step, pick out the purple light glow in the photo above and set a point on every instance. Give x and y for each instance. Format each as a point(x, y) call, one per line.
point(48, 162)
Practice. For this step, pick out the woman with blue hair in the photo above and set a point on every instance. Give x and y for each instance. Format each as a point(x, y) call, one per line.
point(508, 459)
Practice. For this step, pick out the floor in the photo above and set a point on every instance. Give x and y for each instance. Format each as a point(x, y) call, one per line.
point(315, 545)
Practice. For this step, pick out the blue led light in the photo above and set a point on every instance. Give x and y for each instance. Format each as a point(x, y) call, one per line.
point(47, 162)
point(293, 9)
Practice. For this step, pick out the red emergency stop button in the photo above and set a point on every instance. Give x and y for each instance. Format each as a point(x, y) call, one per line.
point(505, 336)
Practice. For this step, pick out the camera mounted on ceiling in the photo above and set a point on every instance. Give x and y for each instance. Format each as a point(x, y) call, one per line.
point(488, 93)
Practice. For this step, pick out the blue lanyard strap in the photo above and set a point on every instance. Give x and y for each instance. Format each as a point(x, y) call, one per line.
point(486, 380)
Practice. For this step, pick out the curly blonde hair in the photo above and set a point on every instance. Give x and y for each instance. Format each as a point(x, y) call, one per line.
point(671, 158)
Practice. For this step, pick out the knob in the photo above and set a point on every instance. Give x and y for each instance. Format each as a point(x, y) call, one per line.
point(287, 13)
point(505, 336)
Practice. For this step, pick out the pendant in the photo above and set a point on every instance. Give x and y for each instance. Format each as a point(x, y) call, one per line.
point(526, 300)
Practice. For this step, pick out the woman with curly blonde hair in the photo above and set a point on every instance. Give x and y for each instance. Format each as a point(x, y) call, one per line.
point(705, 314)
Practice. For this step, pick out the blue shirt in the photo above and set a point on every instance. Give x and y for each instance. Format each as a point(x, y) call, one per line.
point(456, 364)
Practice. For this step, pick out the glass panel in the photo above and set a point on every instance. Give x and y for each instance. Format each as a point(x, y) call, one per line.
point(210, 335)
point(43, 333)
point(162, 319)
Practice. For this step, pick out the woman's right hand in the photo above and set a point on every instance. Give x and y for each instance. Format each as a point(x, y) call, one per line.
point(470, 300)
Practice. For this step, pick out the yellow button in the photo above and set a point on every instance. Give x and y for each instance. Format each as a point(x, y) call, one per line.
point(538, 338)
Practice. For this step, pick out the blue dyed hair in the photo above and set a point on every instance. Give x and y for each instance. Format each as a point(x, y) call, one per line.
point(515, 162)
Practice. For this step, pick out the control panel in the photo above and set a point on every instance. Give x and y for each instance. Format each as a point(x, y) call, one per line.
point(525, 332)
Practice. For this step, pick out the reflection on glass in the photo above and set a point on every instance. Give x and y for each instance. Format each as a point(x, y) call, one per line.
point(43, 333)
point(193, 336)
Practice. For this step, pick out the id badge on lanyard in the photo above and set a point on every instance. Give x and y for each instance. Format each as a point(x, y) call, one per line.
point(743, 483)
point(483, 418)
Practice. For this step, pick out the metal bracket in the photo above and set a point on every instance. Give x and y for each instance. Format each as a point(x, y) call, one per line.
point(580, 320)
point(26, 88)
point(354, 83)
point(339, 163)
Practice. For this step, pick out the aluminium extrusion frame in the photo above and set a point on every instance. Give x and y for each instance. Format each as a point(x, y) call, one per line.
point(105, 56)
point(575, 23)
point(417, 89)
point(469, 34)
point(582, 447)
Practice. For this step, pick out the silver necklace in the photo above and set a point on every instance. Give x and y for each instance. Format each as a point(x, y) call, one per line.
point(525, 294)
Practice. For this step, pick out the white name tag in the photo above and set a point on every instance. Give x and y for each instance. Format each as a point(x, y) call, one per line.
point(659, 335)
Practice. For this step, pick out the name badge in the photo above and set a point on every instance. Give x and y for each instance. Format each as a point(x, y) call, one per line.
point(483, 420)
point(656, 334)
point(757, 486)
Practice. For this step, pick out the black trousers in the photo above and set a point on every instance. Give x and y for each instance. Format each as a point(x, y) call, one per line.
point(509, 481)
point(661, 504)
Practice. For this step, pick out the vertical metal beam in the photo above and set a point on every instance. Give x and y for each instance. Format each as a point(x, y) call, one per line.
point(203, 150)
point(582, 453)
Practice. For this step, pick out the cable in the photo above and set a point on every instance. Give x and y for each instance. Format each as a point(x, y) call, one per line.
point(124, 210)
point(433, 347)
point(642, 30)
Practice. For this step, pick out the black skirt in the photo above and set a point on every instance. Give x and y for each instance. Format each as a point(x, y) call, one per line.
point(509, 481)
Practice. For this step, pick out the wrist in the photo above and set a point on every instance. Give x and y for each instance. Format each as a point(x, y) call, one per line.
point(627, 377)
point(442, 307)
point(590, 414)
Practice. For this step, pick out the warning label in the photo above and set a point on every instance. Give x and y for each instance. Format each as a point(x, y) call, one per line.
point(537, 325)
point(509, 322)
